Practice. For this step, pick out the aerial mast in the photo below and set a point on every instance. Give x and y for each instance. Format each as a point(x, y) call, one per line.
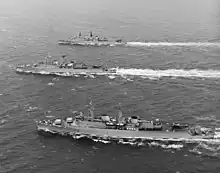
point(91, 110)
point(62, 59)
point(47, 58)
point(119, 118)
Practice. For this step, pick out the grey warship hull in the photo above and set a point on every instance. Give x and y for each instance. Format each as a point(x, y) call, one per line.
point(129, 134)
point(90, 43)
point(53, 70)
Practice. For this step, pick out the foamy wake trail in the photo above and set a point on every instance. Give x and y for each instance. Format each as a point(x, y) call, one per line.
point(185, 44)
point(169, 73)
point(207, 149)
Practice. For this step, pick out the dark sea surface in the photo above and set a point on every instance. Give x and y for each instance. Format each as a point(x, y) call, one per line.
point(175, 76)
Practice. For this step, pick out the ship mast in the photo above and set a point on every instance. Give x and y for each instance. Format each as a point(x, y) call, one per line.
point(119, 118)
point(91, 110)
point(47, 58)
point(62, 59)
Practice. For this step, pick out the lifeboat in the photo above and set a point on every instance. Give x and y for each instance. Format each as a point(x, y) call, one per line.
point(57, 122)
point(69, 120)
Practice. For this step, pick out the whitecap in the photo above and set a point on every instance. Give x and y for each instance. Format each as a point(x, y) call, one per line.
point(50, 84)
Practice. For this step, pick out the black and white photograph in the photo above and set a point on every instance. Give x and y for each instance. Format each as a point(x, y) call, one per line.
point(109, 86)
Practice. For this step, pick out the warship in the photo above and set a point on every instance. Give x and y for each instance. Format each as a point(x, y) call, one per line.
point(131, 127)
point(91, 40)
point(62, 67)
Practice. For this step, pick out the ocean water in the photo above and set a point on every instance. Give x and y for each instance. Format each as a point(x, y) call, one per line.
point(170, 70)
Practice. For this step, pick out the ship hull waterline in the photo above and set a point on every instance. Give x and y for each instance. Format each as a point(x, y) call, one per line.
point(91, 43)
point(62, 71)
point(125, 134)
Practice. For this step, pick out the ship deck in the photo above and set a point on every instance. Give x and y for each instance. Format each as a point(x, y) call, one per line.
point(90, 42)
point(54, 69)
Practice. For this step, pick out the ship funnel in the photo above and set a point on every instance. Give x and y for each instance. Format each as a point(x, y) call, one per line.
point(134, 119)
point(105, 118)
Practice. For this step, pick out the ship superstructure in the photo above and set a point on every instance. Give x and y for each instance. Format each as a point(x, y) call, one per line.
point(91, 40)
point(62, 67)
point(121, 127)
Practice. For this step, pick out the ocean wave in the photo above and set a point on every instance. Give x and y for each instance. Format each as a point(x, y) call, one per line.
point(206, 118)
point(50, 84)
point(3, 122)
point(167, 146)
point(207, 149)
point(30, 108)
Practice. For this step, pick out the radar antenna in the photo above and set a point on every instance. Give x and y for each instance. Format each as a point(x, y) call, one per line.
point(91, 34)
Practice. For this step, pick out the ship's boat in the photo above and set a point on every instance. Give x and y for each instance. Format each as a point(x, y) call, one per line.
point(130, 127)
point(91, 40)
point(64, 68)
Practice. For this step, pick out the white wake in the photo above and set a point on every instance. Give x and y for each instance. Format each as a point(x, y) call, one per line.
point(196, 73)
point(182, 44)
